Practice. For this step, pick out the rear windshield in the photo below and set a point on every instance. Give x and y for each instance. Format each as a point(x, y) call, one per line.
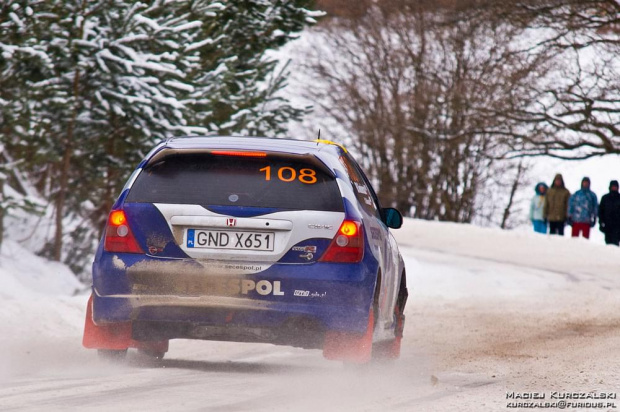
point(237, 181)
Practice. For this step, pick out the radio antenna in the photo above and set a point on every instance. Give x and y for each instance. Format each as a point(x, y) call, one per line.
point(319, 136)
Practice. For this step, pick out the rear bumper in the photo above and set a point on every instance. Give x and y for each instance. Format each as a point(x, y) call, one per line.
point(179, 298)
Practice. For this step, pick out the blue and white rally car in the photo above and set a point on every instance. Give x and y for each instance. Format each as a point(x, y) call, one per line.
point(249, 240)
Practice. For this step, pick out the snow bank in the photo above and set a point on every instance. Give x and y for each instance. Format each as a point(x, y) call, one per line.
point(42, 306)
point(521, 248)
point(25, 275)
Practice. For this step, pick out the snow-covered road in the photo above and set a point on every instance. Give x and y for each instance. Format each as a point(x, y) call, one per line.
point(489, 312)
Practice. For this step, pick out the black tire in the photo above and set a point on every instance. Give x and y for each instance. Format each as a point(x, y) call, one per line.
point(112, 355)
point(150, 354)
point(389, 350)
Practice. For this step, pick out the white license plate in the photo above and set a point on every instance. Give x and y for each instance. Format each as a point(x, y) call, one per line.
point(229, 239)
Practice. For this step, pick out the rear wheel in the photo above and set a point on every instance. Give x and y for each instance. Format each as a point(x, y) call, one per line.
point(112, 355)
point(152, 354)
point(390, 349)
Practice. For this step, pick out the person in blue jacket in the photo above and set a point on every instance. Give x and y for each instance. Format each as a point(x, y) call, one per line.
point(583, 210)
point(537, 208)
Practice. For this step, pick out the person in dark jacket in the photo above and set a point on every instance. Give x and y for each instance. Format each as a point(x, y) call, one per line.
point(556, 206)
point(609, 214)
point(583, 210)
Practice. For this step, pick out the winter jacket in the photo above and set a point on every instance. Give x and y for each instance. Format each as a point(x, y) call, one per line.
point(537, 204)
point(556, 202)
point(583, 206)
point(609, 211)
point(537, 207)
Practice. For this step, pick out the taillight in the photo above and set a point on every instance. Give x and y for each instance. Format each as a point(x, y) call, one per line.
point(118, 235)
point(348, 244)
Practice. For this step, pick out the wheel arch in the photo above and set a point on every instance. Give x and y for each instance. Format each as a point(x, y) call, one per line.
point(403, 292)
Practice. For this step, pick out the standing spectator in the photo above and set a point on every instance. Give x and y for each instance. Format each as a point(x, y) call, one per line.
point(556, 206)
point(609, 214)
point(582, 210)
point(537, 208)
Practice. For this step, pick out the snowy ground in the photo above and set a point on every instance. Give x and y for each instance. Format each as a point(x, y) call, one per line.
point(489, 312)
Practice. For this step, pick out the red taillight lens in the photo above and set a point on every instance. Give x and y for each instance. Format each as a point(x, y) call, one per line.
point(347, 246)
point(118, 235)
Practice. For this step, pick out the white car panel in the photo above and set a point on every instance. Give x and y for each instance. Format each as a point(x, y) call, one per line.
point(290, 227)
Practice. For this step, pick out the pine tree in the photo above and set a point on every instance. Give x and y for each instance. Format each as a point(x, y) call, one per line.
point(87, 87)
point(98, 81)
point(14, 194)
point(237, 87)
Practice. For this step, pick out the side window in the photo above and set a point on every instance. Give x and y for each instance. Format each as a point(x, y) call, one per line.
point(363, 191)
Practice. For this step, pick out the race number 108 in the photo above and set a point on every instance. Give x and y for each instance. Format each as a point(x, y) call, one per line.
point(289, 174)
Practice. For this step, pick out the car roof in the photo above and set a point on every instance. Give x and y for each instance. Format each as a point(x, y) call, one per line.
point(292, 146)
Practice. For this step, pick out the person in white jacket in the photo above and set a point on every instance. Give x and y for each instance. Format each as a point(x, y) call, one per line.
point(536, 208)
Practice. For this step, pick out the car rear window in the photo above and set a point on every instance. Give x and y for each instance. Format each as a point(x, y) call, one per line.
point(205, 180)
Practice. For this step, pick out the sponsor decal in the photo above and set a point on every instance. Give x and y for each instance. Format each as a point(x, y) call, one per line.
point(219, 268)
point(222, 287)
point(375, 233)
point(262, 287)
point(307, 294)
point(362, 189)
point(308, 249)
point(320, 226)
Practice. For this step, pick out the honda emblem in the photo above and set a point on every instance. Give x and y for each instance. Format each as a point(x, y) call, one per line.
point(231, 222)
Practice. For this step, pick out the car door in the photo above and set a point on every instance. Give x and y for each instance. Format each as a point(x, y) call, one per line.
point(381, 241)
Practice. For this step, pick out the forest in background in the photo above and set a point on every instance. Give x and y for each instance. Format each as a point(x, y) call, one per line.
point(443, 102)
point(447, 102)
